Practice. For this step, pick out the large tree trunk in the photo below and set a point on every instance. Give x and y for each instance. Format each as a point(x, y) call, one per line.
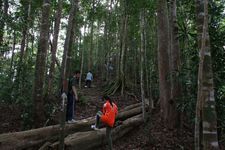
point(92, 139)
point(163, 59)
point(175, 66)
point(35, 137)
point(39, 110)
point(54, 45)
point(123, 39)
point(206, 119)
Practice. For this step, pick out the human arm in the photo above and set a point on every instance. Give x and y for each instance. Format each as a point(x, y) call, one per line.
point(75, 92)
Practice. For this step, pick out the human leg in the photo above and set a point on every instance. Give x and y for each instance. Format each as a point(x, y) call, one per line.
point(109, 137)
point(97, 120)
point(69, 111)
point(88, 83)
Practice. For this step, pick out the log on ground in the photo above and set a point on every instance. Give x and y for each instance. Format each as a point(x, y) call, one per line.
point(36, 137)
point(92, 139)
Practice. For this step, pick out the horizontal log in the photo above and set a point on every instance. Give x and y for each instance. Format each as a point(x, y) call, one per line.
point(91, 139)
point(36, 137)
point(132, 106)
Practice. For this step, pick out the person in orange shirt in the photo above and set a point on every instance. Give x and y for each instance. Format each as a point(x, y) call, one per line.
point(107, 117)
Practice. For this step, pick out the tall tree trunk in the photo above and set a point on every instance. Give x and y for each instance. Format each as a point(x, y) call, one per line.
point(20, 70)
point(206, 119)
point(4, 11)
point(142, 52)
point(39, 114)
point(82, 54)
point(63, 83)
point(54, 45)
point(175, 65)
point(12, 59)
point(123, 46)
point(1, 26)
point(90, 62)
point(163, 59)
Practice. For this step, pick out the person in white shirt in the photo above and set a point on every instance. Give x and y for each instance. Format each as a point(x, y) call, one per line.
point(89, 79)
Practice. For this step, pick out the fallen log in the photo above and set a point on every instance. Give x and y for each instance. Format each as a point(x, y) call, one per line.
point(132, 106)
point(91, 139)
point(36, 137)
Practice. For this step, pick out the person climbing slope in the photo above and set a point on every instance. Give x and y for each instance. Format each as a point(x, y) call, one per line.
point(107, 117)
point(88, 79)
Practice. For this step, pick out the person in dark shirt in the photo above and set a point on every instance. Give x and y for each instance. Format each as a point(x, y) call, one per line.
point(72, 97)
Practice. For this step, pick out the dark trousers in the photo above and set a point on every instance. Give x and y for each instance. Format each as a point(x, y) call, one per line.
point(109, 137)
point(88, 83)
point(98, 124)
point(70, 107)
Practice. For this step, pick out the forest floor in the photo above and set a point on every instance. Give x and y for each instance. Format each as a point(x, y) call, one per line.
point(152, 136)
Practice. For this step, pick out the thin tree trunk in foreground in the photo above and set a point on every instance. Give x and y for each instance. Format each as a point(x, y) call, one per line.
point(39, 115)
point(142, 62)
point(54, 45)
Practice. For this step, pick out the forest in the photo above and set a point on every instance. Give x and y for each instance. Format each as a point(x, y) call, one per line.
point(162, 62)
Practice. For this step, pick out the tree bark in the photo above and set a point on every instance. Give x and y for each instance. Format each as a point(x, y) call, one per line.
point(163, 59)
point(206, 119)
point(1, 26)
point(39, 115)
point(64, 70)
point(12, 59)
point(175, 66)
point(142, 62)
point(82, 49)
point(54, 45)
point(123, 39)
point(90, 62)
point(4, 11)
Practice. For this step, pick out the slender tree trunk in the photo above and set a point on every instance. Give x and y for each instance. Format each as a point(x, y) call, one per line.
point(1, 26)
point(54, 45)
point(142, 62)
point(63, 83)
point(4, 11)
point(66, 67)
point(105, 45)
point(25, 31)
point(39, 114)
point(163, 59)
point(12, 59)
point(90, 62)
point(82, 48)
point(206, 119)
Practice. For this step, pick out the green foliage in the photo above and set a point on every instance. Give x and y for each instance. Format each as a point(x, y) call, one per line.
point(82, 99)
point(217, 36)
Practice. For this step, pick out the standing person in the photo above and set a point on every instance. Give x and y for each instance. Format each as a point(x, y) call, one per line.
point(107, 117)
point(89, 79)
point(72, 97)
